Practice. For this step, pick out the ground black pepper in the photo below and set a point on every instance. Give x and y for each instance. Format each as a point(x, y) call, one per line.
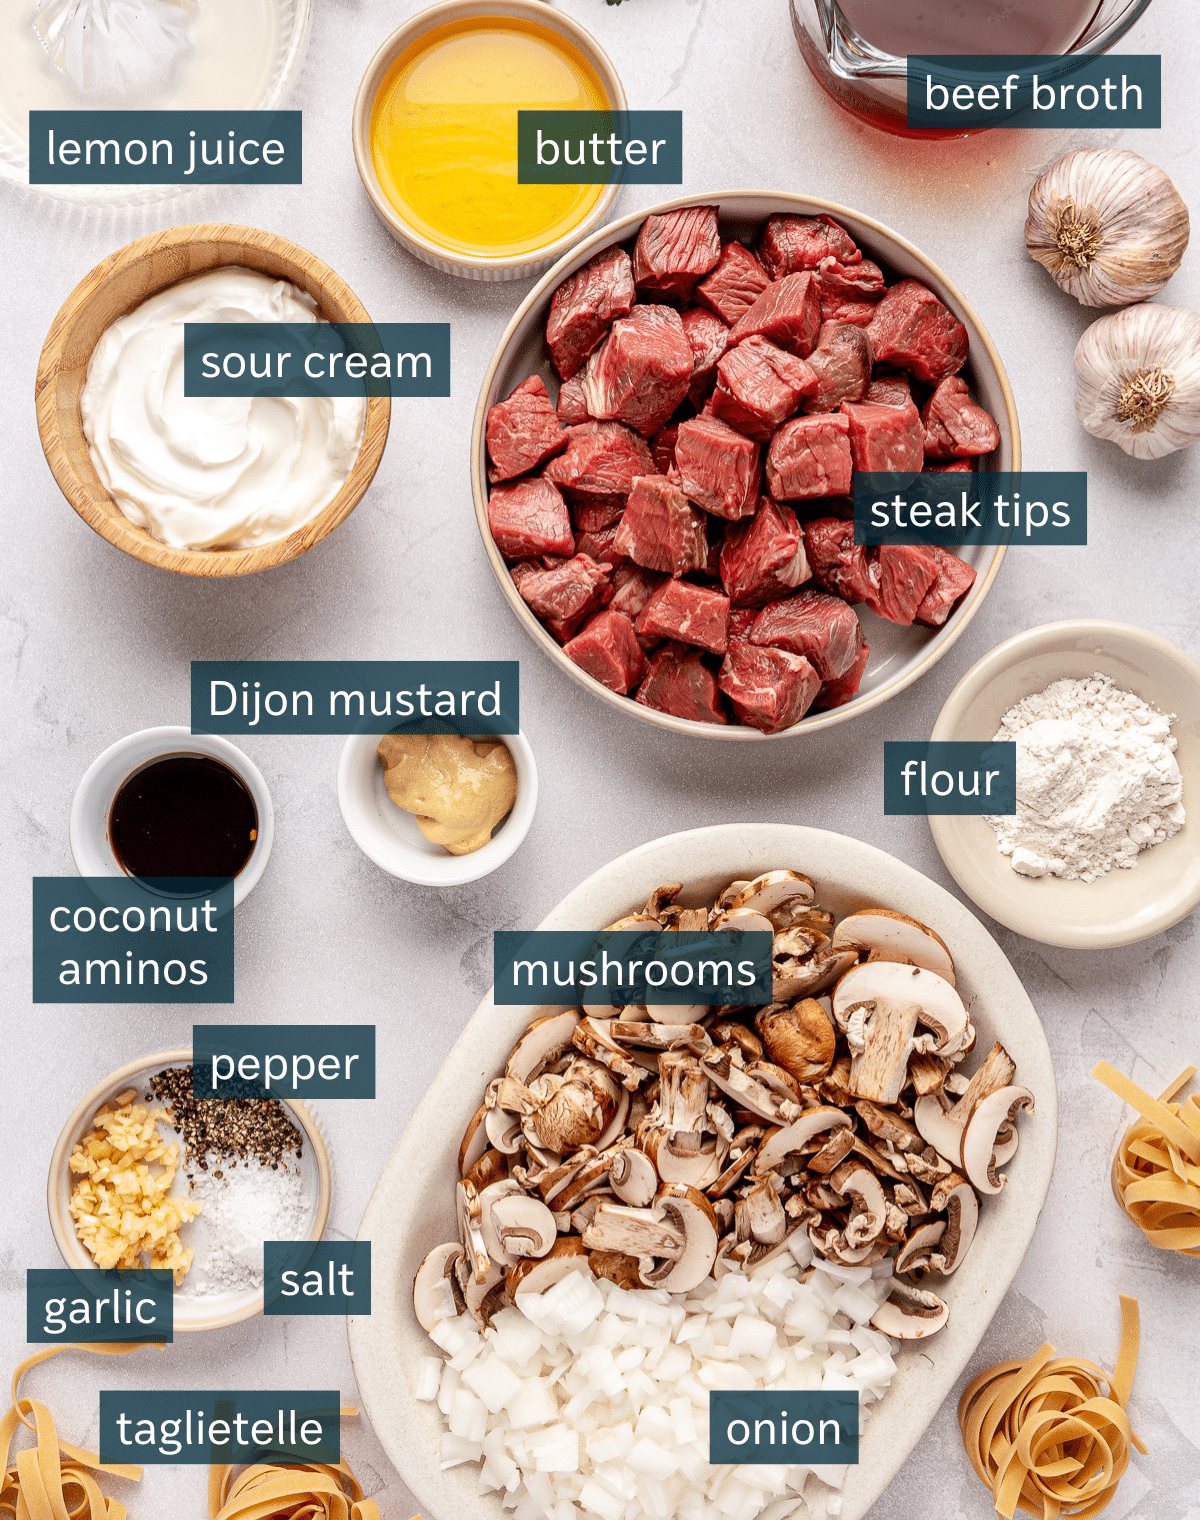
point(227, 1127)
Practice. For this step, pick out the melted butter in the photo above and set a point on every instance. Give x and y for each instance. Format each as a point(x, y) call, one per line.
point(444, 134)
point(459, 789)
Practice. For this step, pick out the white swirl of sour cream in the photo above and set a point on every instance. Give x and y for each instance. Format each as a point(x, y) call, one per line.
point(204, 472)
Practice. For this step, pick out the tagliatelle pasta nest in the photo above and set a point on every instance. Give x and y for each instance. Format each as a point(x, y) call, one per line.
point(300, 1491)
point(1049, 1435)
point(1156, 1171)
point(53, 1479)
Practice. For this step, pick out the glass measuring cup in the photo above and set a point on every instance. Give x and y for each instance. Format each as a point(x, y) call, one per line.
point(870, 82)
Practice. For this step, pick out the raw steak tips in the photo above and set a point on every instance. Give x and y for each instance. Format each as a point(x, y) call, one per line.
point(690, 614)
point(913, 330)
point(523, 431)
point(842, 361)
point(661, 529)
point(788, 314)
point(885, 437)
point(599, 465)
point(838, 692)
point(820, 627)
point(955, 427)
point(791, 243)
point(734, 285)
point(758, 385)
point(954, 579)
point(585, 306)
point(674, 250)
point(708, 337)
point(530, 518)
point(679, 682)
point(642, 371)
point(718, 467)
point(607, 648)
point(810, 456)
point(767, 688)
point(763, 557)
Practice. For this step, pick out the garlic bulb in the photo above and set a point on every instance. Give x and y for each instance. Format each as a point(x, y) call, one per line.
point(1137, 379)
point(1109, 227)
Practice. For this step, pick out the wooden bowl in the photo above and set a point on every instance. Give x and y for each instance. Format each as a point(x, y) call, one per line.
point(118, 284)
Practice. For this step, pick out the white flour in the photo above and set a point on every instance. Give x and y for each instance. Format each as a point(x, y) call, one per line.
point(1097, 780)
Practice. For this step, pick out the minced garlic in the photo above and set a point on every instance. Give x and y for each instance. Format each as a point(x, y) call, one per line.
point(121, 1210)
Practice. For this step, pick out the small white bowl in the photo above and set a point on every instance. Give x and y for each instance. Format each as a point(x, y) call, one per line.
point(103, 779)
point(389, 836)
point(1126, 905)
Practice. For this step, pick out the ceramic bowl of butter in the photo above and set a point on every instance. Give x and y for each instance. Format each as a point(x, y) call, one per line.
point(1087, 791)
point(213, 1292)
point(435, 135)
point(200, 485)
point(387, 833)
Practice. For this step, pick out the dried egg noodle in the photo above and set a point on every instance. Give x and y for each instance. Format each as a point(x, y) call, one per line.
point(305, 1491)
point(33, 1487)
point(1156, 1171)
point(1044, 1436)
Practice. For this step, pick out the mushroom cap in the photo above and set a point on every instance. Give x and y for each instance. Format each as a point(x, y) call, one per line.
point(515, 1225)
point(920, 1246)
point(633, 1178)
point(938, 1129)
point(742, 918)
point(784, 1142)
point(766, 893)
point(911, 1314)
point(502, 1131)
point(434, 1296)
point(727, 1031)
point(962, 1210)
point(536, 1274)
point(979, 1136)
point(616, 1267)
point(692, 1214)
point(891, 936)
point(800, 1038)
point(542, 1042)
point(938, 1005)
point(474, 1141)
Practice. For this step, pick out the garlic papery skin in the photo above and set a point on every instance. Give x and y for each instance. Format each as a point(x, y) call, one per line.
point(1110, 227)
point(1137, 379)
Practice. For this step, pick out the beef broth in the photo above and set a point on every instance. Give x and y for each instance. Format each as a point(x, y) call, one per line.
point(969, 26)
point(183, 815)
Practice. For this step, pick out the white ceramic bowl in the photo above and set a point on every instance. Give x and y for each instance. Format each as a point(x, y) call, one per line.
point(476, 266)
point(412, 1207)
point(210, 1311)
point(90, 843)
point(898, 655)
point(1125, 905)
point(389, 836)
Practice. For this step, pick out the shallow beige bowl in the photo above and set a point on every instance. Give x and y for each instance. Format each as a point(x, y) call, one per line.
point(412, 1207)
point(898, 655)
point(215, 1311)
point(118, 284)
point(1125, 905)
point(476, 266)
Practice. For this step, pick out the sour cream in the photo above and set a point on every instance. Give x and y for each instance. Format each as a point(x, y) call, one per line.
point(210, 473)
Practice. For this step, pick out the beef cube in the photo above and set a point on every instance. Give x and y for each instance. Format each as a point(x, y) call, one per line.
point(954, 426)
point(901, 574)
point(566, 592)
point(822, 628)
point(718, 467)
point(585, 306)
point(767, 688)
point(842, 361)
point(838, 692)
point(691, 614)
point(662, 448)
point(596, 518)
point(837, 562)
point(679, 682)
point(843, 309)
point(741, 620)
point(599, 465)
point(885, 437)
point(788, 314)
point(889, 388)
point(599, 546)
point(634, 588)
point(734, 284)
point(763, 558)
point(758, 385)
point(529, 518)
point(810, 456)
point(855, 282)
point(661, 530)
point(789, 243)
point(954, 579)
point(608, 650)
point(913, 330)
point(642, 370)
point(953, 467)
point(708, 336)
point(572, 408)
point(675, 250)
point(523, 431)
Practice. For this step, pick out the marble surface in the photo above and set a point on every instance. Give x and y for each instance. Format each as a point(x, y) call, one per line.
point(95, 645)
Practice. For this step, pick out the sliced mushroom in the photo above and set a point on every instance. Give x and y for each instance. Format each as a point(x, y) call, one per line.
point(660, 1035)
point(765, 1217)
point(773, 890)
point(660, 898)
point(879, 1006)
point(502, 1131)
point(616, 1267)
point(997, 1071)
point(543, 1042)
point(726, 1071)
point(938, 1129)
point(632, 1177)
point(513, 1224)
point(800, 1038)
point(692, 1215)
point(615, 1127)
point(887, 1125)
point(571, 1109)
point(725, 900)
point(910, 1314)
point(979, 1136)
point(633, 1232)
point(535, 1275)
point(790, 1140)
point(920, 1246)
point(680, 1158)
point(1007, 1140)
point(731, 1032)
point(835, 1150)
point(436, 1292)
point(957, 1198)
point(483, 1296)
point(928, 1073)
point(592, 1177)
point(474, 1141)
point(470, 1217)
point(853, 1180)
point(738, 1161)
point(888, 936)
point(745, 919)
point(592, 1038)
point(491, 1167)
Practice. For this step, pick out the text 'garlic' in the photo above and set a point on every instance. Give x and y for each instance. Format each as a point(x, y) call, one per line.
point(1110, 227)
point(1137, 379)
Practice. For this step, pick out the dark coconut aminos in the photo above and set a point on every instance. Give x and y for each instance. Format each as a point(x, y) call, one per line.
point(183, 815)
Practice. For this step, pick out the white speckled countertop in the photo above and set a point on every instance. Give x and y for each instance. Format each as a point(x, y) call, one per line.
point(95, 646)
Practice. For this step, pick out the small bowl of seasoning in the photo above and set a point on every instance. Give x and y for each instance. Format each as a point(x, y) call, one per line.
point(169, 803)
point(435, 134)
point(200, 485)
point(200, 1183)
point(1102, 848)
point(438, 810)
